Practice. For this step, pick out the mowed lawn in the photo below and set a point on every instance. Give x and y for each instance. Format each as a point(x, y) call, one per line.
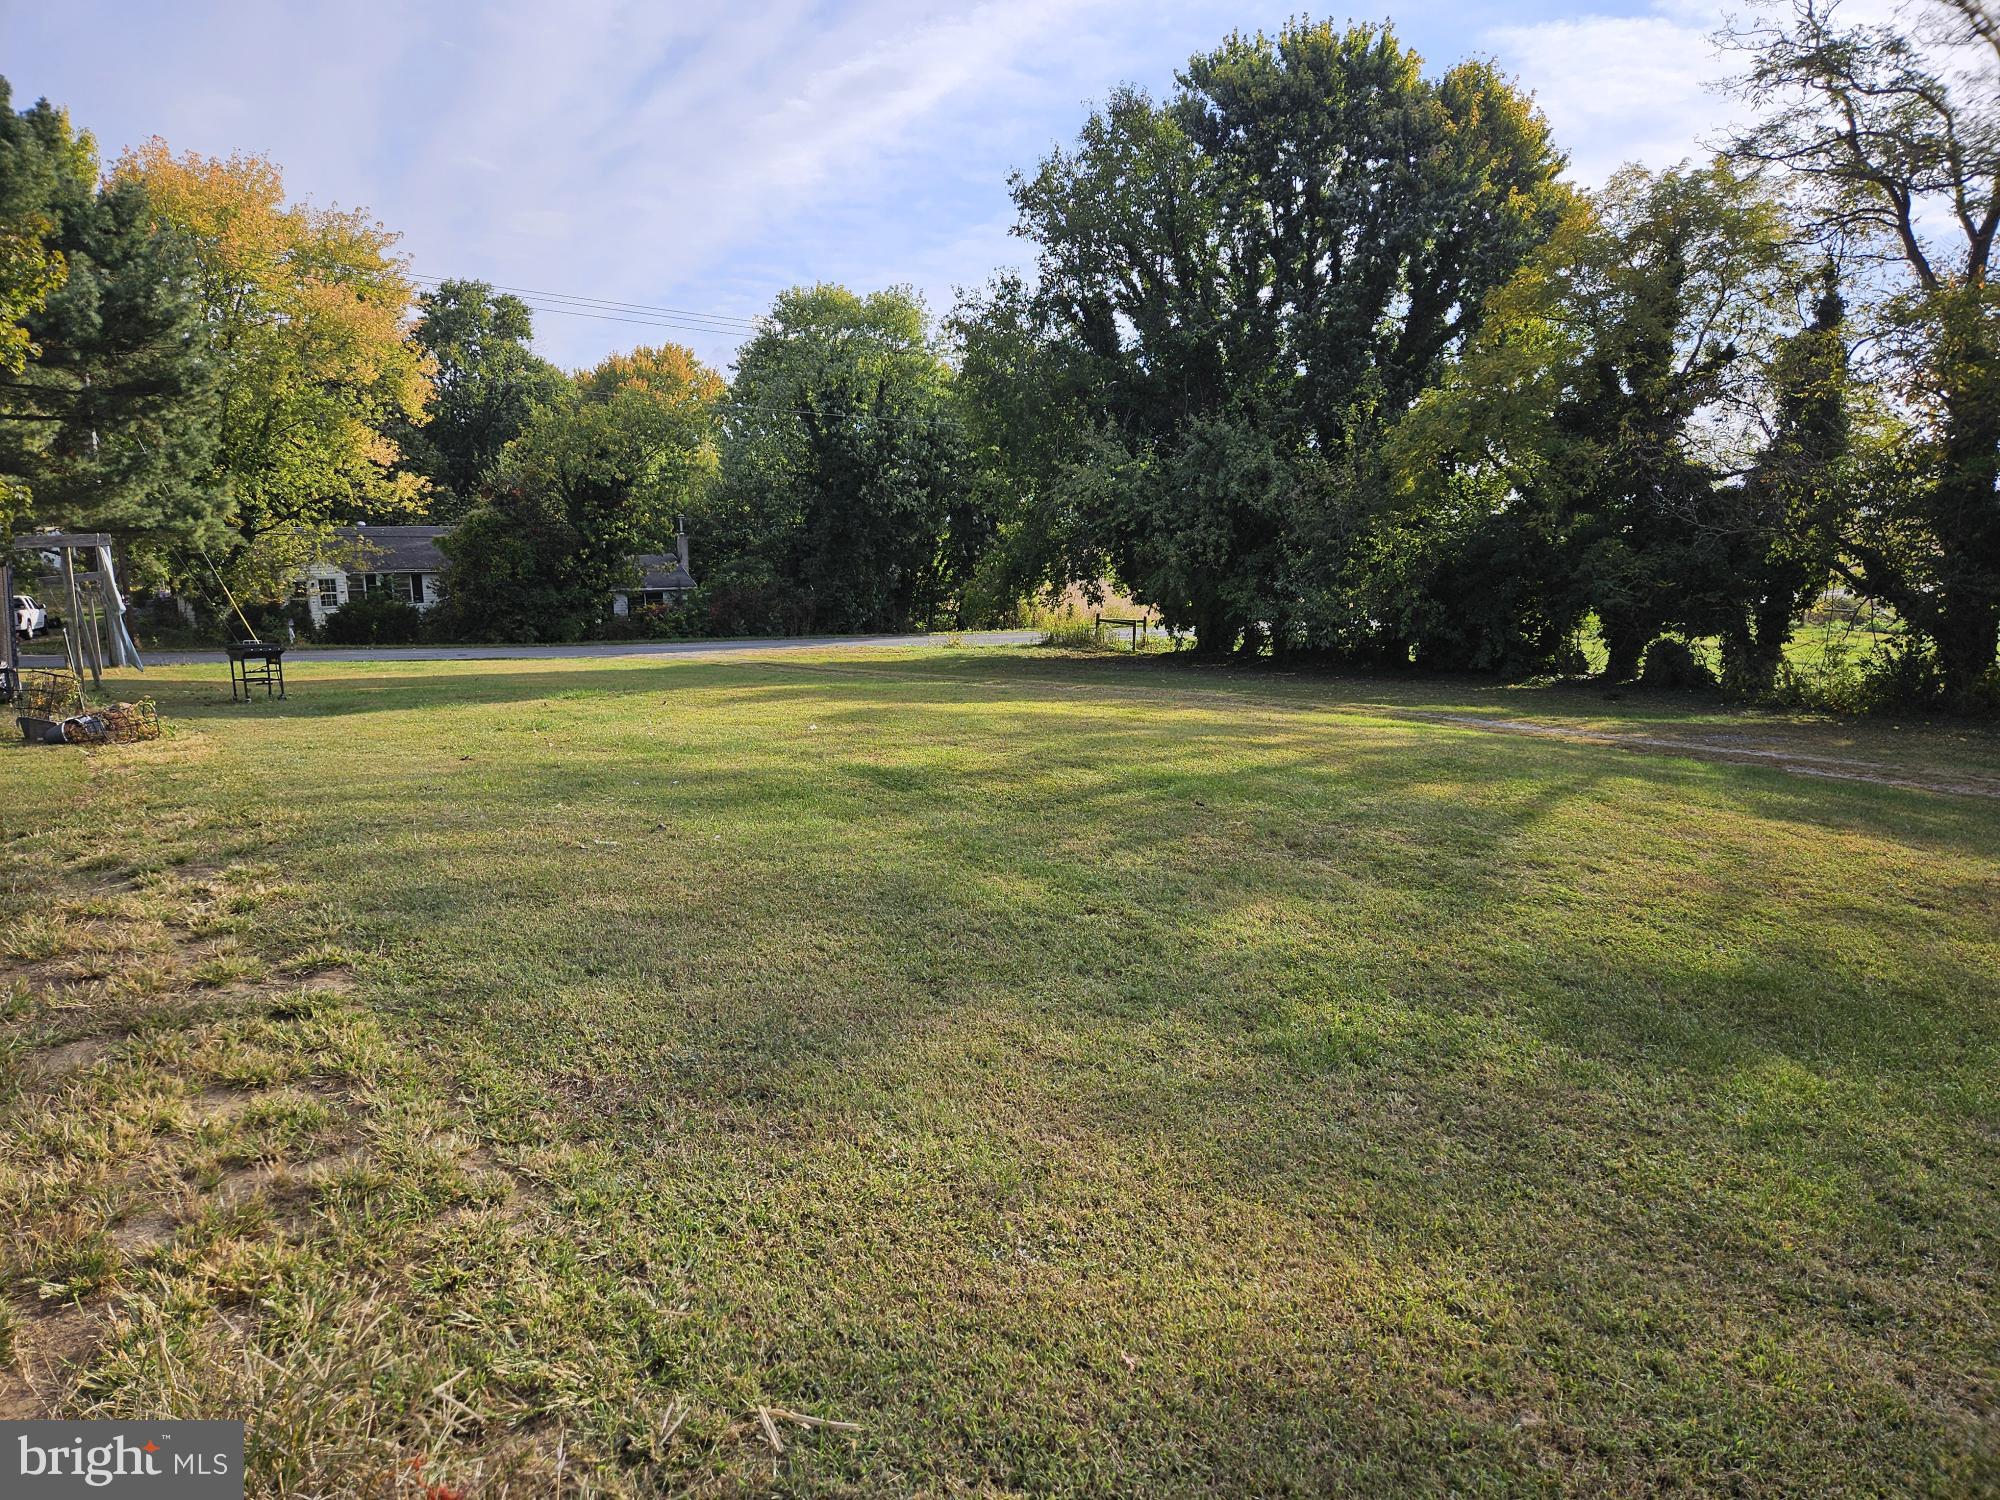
point(1085, 1077)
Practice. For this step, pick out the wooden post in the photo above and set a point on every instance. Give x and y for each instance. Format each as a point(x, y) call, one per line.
point(73, 622)
point(97, 656)
point(10, 650)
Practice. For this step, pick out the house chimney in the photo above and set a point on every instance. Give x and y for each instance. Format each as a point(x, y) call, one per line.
point(681, 543)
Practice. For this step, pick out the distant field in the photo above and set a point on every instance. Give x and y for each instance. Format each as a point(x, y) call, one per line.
point(1085, 1076)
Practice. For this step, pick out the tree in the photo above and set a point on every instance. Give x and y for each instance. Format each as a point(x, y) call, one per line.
point(1892, 140)
point(103, 428)
point(594, 478)
point(843, 503)
point(1286, 252)
point(485, 384)
point(42, 160)
point(1030, 423)
point(304, 313)
point(1365, 211)
point(1797, 501)
point(1608, 407)
point(669, 375)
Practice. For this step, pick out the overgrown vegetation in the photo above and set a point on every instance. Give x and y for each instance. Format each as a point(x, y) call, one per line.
point(1085, 1076)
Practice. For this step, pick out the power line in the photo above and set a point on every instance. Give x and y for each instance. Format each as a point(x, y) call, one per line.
point(611, 305)
point(571, 312)
point(636, 307)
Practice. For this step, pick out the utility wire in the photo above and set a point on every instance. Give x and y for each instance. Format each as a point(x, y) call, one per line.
point(680, 327)
point(610, 304)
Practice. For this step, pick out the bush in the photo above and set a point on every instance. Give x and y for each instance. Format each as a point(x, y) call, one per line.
point(1070, 632)
point(1897, 675)
point(374, 620)
point(748, 598)
point(1672, 666)
point(651, 622)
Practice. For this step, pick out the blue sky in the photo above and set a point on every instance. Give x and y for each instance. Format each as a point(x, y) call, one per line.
point(704, 156)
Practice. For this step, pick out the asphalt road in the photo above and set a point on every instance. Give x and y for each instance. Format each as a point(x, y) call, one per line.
point(590, 649)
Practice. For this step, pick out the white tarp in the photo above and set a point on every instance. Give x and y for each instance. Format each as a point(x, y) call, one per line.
point(123, 652)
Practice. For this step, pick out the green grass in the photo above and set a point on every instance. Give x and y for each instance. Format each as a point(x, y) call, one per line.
point(1090, 1076)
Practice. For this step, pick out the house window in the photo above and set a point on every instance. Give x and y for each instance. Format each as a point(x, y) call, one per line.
point(329, 593)
point(396, 585)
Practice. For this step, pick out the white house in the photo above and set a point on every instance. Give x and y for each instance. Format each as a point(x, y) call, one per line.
point(400, 561)
point(663, 577)
point(404, 562)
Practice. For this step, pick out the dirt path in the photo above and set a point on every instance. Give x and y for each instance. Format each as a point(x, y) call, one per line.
point(1795, 762)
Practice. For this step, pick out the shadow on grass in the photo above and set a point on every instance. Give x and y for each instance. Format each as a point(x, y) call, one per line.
point(1530, 1065)
point(1433, 835)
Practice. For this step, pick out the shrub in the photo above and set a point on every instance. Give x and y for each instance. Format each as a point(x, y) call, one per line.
point(618, 628)
point(651, 622)
point(1891, 676)
point(374, 620)
point(1672, 665)
point(663, 622)
point(1070, 632)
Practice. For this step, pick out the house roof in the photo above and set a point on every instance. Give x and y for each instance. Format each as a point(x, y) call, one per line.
point(396, 549)
point(661, 570)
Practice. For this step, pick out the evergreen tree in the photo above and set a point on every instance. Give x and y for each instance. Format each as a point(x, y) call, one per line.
point(103, 429)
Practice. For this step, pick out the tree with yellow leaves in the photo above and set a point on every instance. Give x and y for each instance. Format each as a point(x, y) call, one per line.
point(592, 480)
point(307, 316)
point(670, 374)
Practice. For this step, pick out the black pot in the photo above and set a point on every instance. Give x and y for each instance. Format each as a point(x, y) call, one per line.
point(40, 731)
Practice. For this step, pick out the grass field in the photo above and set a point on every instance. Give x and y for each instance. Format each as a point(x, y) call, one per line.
point(1083, 1076)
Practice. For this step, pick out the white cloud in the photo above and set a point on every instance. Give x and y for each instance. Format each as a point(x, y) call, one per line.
point(1641, 88)
point(708, 153)
point(699, 154)
point(649, 150)
point(1620, 89)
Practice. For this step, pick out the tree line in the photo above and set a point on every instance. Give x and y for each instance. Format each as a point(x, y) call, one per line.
point(1320, 355)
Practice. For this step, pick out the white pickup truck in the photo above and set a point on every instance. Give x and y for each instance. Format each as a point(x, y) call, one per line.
point(30, 619)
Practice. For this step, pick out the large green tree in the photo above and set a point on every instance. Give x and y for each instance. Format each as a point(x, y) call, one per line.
point(1890, 133)
point(1608, 411)
point(843, 504)
point(486, 381)
point(594, 477)
point(1031, 424)
point(1243, 285)
point(1798, 500)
